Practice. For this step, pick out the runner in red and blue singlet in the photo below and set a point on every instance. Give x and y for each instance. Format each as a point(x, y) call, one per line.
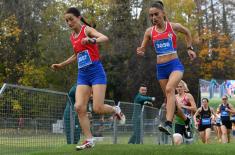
point(169, 68)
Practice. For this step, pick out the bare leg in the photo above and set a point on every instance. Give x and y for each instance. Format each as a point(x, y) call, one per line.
point(224, 134)
point(202, 135)
point(82, 96)
point(98, 100)
point(168, 87)
point(228, 134)
point(207, 135)
point(219, 133)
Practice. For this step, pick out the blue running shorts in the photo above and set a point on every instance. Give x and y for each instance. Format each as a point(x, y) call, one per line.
point(92, 74)
point(165, 69)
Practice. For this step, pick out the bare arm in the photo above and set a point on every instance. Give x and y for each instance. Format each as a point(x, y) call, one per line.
point(94, 36)
point(195, 115)
point(180, 28)
point(231, 110)
point(64, 63)
point(213, 112)
point(193, 106)
point(147, 37)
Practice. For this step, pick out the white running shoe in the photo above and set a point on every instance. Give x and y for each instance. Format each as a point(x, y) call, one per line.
point(120, 116)
point(85, 145)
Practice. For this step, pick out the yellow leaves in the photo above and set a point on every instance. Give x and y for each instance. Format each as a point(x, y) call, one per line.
point(179, 15)
point(206, 34)
point(189, 6)
point(203, 52)
point(9, 28)
point(33, 75)
point(16, 107)
point(214, 59)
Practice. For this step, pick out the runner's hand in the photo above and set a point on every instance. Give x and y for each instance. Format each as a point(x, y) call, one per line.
point(88, 40)
point(192, 54)
point(56, 66)
point(140, 51)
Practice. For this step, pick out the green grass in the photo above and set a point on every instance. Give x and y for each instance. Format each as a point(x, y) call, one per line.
point(52, 144)
point(215, 101)
point(36, 148)
point(22, 144)
point(148, 149)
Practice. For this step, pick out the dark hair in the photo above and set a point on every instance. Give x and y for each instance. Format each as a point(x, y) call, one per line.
point(143, 85)
point(224, 96)
point(205, 99)
point(158, 4)
point(77, 13)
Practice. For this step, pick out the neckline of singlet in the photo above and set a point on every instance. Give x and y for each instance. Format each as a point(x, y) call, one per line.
point(183, 98)
point(225, 105)
point(78, 33)
point(166, 25)
point(203, 108)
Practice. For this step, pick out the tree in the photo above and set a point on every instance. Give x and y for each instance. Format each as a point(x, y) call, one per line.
point(9, 37)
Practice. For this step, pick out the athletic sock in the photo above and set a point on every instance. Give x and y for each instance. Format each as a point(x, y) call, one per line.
point(90, 140)
point(168, 123)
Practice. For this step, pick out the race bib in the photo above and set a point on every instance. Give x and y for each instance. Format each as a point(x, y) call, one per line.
point(164, 46)
point(83, 59)
point(206, 121)
point(218, 120)
point(224, 113)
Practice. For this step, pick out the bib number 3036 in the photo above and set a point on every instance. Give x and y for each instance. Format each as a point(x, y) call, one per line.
point(83, 59)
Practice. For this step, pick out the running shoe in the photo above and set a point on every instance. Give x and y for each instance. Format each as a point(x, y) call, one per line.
point(165, 128)
point(85, 145)
point(120, 116)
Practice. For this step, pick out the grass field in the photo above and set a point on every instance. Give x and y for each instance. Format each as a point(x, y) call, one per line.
point(36, 148)
point(215, 101)
point(22, 145)
point(55, 144)
point(125, 149)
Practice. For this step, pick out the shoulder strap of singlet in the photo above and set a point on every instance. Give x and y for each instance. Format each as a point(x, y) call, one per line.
point(169, 26)
point(185, 98)
point(220, 107)
point(151, 33)
point(202, 111)
point(209, 109)
point(83, 29)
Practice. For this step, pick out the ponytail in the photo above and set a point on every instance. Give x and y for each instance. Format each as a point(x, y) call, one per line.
point(77, 13)
point(86, 23)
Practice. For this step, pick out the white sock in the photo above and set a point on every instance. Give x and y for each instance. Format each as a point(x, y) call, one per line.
point(115, 109)
point(90, 139)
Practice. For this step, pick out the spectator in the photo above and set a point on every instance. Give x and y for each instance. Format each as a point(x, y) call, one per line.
point(140, 100)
